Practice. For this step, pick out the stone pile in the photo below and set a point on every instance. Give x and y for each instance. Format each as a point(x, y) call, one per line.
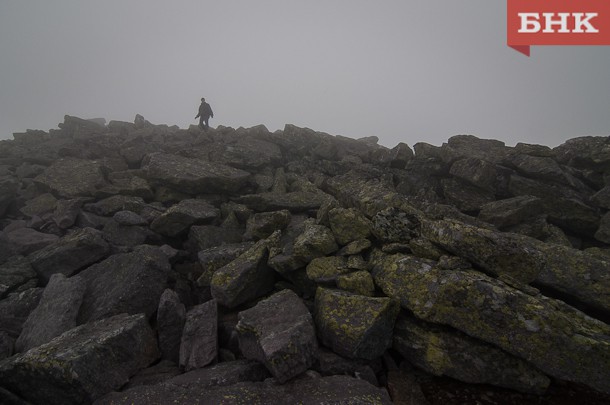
point(146, 264)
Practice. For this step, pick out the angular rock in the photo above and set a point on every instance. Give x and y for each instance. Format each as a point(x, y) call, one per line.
point(358, 282)
point(203, 237)
point(158, 373)
point(129, 218)
point(477, 172)
point(464, 196)
point(541, 168)
point(441, 351)
point(307, 391)
point(7, 344)
point(603, 232)
point(295, 202)
point(180, 217)
point(171, 316)
point(127, 235)
point(327, 269)
point(354, 248)
point(125, 283)
point(495, 252)
point(279, 332)
point(70, 254)
point(39, 205)
point(66, 212)
point(355, 326)
point(557, 339)
point(28, 240)
point(193, 176)
point(525, 259)
point(565, 206)
point(82, 364)
point(16, 274)
point(511, 211)
point(262, 225)
point(8, 192)
point(245, 278)
point(15, 309)
point(199, 343)
point(214, 258)
point(55, 314)
point(71, 177)
point(109, 206)
point(247, 153)
point(602, 198)
point(392, 225)
point(349, 225)
point(315, 241)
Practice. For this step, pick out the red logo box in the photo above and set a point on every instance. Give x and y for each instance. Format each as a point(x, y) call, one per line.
point(557, 22)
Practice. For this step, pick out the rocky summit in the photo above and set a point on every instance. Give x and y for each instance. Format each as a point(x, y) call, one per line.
point(148, 264)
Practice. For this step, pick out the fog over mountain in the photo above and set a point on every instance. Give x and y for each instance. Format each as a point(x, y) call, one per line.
point(405, 71)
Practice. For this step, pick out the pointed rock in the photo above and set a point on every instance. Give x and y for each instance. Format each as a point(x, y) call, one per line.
point(171, 316)
point(70, 254)
point(199, 344)
point(353, 325)
point(279, 332)
point(82, 364)
point(125, 283)
point(245, 278)
point(55, 314)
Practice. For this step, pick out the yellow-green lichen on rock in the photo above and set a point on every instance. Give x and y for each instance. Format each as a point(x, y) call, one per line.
point(327, 269)
point(352, 325)
point(245, 278)
point(444, 351)
point(358, 282)
point(556, 338)
point(348, 225)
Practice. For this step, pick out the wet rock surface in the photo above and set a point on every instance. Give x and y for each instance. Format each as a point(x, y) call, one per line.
point(144, 264)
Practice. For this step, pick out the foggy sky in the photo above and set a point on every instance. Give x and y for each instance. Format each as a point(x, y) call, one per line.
point(403, 70)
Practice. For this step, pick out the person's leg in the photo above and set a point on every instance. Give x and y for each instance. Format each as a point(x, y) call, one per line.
point(206, 122)
point(201, 123)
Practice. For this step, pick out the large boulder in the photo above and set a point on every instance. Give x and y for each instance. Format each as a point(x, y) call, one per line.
point(262, 225)
point(348, 225)
point(477, 172)
point(245, 278)
point(55, 314)
point(295, 201)
point(199, 344)
point(442, 351)
point(16, 275)
point(125, 283)
point(70, 254)
point(15, 309)
point(315, 241)
point(511, 211)
point(557, 339)
point(337, 389)
point(355, 326)
point(8, 192)
point(171, 315)
point(180, 217)
point(82, 364)
point(279, 332)
point(193, 176)
point(28, 240)
point(71, 177)
point(572, 272)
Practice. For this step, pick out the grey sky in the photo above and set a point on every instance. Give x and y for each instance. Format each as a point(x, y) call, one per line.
point(404, 70)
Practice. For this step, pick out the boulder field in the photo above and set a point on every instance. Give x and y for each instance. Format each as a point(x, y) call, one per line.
point(148, 264)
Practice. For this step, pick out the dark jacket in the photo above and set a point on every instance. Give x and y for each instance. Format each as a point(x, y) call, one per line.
point(205, 110)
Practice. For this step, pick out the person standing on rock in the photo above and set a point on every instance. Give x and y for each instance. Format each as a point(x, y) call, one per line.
point(205, 112)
